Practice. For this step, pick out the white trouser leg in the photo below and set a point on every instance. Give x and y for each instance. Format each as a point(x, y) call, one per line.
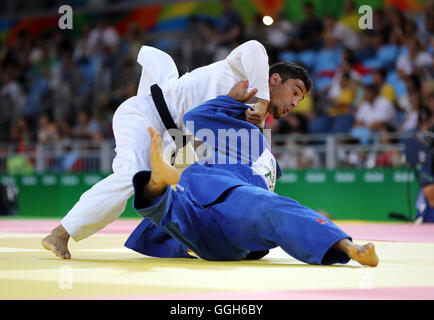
point(106, 200)
point(99, 206)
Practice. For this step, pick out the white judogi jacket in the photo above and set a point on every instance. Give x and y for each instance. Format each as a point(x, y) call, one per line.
point(107, 199)
point(249, 61)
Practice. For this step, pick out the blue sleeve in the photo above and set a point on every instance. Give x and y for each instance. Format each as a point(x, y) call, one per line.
point(221, 113)
point(216, 120)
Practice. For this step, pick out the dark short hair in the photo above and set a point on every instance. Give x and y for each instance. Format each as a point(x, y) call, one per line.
point(288, 70)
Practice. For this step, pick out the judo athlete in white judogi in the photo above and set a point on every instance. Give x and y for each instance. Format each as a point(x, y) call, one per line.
point(277, 89)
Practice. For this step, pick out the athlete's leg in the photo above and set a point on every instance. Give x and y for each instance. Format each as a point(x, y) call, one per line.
point(151, 240)
point(106, 200)
point(97, 207)
point(257, 219)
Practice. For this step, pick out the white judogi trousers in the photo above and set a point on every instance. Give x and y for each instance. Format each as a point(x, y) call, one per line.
point(107, 199)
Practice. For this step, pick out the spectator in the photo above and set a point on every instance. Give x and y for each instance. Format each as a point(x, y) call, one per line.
point(382, 25)
point(229, 32)
point(426, 114)
point(375, 113)
point(396, 23)
point(348, 65)
point(310, 30)
point(338, 118)
point(385, 53)
point(386, 90)
point(86, 128)
point(12, 102)
point(411, 84)
point(415, 60)
point(339, 111)
point(350, 17)
point(410, 121)
point(327, 61)
point(65, 130)
point(368, 47)
point(135, 40)
point(425, 22)
point(65, 80)
point(47, 131)
point(83, 50)
point(344, 34)
point(21, 133)
point(391, 157)
point(195, 50)
point(427, 88)
point(102, 37)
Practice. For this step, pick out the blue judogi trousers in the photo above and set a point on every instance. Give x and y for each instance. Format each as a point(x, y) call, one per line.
point(244, 222)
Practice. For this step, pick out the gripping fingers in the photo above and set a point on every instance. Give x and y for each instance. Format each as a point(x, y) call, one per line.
point(250, 94)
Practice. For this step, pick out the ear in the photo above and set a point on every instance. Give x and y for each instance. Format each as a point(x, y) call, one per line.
point(275, 80)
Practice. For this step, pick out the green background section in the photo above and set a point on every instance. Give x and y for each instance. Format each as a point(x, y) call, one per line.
point(344, 194)
point(352, 194)
point(294, 10)
point(53, 195)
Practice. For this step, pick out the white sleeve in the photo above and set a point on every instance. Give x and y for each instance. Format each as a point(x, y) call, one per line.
point(250, 59)
point(158, 67)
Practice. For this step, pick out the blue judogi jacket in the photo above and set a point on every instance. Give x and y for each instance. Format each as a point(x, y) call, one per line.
point(249, 161)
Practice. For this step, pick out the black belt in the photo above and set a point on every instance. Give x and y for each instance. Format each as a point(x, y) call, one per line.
point(166, 117)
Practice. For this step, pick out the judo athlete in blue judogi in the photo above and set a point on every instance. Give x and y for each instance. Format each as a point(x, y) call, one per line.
point(224, 207)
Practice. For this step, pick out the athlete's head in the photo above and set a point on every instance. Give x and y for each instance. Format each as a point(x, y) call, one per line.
point(288, 83)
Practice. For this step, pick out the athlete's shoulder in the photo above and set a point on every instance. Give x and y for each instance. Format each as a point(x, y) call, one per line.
point(251, 45)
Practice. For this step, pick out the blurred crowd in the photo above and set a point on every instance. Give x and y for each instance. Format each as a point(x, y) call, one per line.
point(58, 88)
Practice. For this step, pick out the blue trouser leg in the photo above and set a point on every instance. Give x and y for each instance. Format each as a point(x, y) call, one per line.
point(151, 240)
point(192, 225)
point(256, 219)
point(245, 219)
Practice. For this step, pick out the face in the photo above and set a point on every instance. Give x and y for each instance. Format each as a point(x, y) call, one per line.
point(284, 96)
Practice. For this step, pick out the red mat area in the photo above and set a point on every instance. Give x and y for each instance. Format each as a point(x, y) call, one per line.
point(403, 232)
point(123, 226)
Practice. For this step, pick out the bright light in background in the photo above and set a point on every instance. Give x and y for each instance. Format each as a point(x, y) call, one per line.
point(267, 20)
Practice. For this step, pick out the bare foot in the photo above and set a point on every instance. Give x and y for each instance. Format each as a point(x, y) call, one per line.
point(163, 174)
point(57, 242)
point(363, 254)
